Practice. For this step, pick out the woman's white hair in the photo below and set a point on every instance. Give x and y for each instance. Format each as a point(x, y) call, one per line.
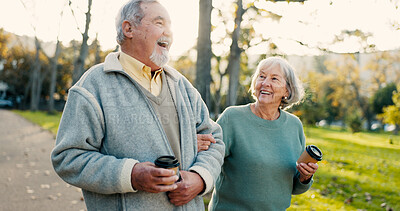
point(132, 12)
point(293, 84)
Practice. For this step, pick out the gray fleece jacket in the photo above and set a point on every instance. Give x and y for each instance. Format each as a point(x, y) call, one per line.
point(108, 125)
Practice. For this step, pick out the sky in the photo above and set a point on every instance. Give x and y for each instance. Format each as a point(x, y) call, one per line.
point(324, 19)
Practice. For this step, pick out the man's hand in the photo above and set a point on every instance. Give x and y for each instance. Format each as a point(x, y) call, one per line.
point(204, 141)
point(190, 186)
point(147, 177)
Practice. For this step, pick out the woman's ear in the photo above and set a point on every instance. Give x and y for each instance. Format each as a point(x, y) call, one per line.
point(287, 94)
point(127, 29)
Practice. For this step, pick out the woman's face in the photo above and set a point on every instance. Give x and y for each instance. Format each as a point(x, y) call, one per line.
point(270, 86)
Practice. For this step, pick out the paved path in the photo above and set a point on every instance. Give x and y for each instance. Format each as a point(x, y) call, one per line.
point(27, 178)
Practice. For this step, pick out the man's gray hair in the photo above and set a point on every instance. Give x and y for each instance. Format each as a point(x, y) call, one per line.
point(293, 84)
point(131, 12)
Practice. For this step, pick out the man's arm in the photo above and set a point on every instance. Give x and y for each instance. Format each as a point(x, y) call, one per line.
point(208, 162)
point(76, 156)
point(207, 166)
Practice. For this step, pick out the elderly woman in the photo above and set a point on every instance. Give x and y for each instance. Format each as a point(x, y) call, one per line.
point(263, 143)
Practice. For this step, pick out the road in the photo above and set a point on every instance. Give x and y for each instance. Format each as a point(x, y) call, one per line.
point(27, 178)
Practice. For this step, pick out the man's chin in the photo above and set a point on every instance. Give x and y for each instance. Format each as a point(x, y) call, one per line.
point(160, 61)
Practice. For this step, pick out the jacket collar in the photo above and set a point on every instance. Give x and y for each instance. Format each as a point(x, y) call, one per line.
point(112, 64)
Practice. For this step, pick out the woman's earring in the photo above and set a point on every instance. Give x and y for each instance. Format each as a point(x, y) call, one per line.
point(285, 98)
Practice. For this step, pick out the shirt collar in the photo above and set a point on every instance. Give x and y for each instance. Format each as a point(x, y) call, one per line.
point(136, 67)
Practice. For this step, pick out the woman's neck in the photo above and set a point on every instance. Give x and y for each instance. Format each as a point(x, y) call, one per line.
point(265, 112)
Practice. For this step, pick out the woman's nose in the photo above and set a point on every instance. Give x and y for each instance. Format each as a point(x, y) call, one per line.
point(265, 82)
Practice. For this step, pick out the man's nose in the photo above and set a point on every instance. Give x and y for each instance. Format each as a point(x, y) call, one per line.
point(168, 32)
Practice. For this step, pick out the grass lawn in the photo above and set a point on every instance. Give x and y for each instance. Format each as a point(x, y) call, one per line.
point(45, 120)
point(359, 171)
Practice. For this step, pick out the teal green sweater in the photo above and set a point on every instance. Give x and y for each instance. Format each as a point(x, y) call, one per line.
point(259, 170)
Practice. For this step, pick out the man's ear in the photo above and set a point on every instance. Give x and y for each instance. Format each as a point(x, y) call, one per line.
point(127, 29)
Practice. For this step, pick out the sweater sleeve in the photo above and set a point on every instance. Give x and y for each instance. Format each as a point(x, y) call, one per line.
point(223, 121)
point(208, 163)
point(299, 187)
point(76, 156)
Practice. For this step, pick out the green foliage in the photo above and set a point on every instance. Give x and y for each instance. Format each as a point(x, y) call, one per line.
point(310, 110)
point(3, 43)
point(383, 97)
point(354, 123)
point(359, 172)
point(391, 114)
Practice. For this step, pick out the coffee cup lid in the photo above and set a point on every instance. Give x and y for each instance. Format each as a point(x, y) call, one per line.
point(167, 161)
point(314, 152)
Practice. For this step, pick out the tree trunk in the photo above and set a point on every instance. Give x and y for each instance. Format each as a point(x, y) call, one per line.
point(364, 105)
point(79, 64)
point(54, 63)
point(218, 98)
point(204, 53)
point(97, 58)
point(396, 129)
point(233, 68)
point(39, 87)
point(35, 78)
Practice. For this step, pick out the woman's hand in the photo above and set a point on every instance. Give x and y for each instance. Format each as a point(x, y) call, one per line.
point(306, 170)
point(204, 141)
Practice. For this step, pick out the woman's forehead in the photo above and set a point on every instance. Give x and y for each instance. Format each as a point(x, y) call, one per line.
point(274, 69)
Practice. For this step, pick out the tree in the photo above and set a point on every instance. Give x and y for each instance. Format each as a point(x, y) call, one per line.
point(233, 68)
point(203, 64)
point(391, 114)
point(3, 44)
point(79, 65)
point(346, 85)
point(240, 37)
point(54, 65)
point(37, 77)
point(53, 71)
point(383, 98)
point(380, 66)
point(351, 72)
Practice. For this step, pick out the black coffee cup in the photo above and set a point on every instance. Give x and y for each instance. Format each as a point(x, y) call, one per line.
point(168, 162)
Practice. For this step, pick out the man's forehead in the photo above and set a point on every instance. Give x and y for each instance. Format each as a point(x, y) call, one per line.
point(155, 11)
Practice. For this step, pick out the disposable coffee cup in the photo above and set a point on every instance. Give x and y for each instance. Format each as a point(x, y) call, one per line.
point(168, 162)
point(310, 155)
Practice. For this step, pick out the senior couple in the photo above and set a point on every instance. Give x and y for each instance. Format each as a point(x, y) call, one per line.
point(126, 112)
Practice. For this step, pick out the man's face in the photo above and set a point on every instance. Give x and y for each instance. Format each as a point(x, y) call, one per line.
point(153, 37)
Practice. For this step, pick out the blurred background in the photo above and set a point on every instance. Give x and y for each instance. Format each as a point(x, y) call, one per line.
point(346, 52)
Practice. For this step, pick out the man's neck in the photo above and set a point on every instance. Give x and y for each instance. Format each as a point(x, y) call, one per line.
point(142, 59)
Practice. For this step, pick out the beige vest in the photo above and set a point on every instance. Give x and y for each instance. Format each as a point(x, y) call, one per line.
point(165, 108)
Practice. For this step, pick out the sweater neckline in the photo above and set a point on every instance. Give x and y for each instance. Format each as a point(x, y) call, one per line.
point(163, 93)
point(273, 124)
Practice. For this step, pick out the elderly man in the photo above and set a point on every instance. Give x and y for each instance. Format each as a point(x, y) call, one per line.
point(123, 114)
